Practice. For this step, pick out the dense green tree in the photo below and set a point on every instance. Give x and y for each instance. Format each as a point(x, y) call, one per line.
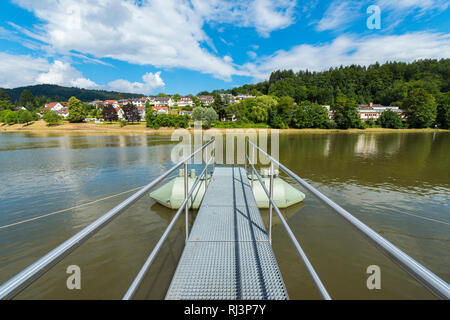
point(4, 96)
point(51, 117)
point(219, 106)
point(157, 121)
point(310, 115)
point(176, 97)
point(6, 105)
point(284, 110)
point(206, 115)
point(390, 119)
point(196, 101)
point(346, 113)
point(24, 116)
point(10, 117)
point(198, 114)
point(420, 108)
point(27, 100)
point(77, 112)
point(210, 117)
point(443, 111)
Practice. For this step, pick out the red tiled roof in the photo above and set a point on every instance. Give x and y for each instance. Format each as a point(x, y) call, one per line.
point(51, 105)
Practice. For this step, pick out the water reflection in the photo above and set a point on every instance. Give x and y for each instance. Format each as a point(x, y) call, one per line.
point(389, 181)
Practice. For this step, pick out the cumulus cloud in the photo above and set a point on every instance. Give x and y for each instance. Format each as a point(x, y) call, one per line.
point(263, 15)
point(339, 14)
point(150, 81)
point(63, 74)
point(22, 70)
point(162, 33)
point(347, 50)
point(19, 70)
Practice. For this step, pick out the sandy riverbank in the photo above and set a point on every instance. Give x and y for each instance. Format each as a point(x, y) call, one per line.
point(40, 127)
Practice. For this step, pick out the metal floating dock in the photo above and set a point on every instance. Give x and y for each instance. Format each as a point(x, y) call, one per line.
point(228, 254)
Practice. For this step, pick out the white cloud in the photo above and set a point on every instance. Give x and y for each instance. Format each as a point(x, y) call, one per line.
point(23, 70)
point(347, 50)
point(339, 14)
point(162, 33)
point(18, 70)
point(422, 5)
point(263, 15)
point(63, 74)
point(252, 54)
point(150, 82)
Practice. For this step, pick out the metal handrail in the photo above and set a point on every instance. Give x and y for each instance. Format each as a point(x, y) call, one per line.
point(428, 279)
point(184, 205)
point(26, 277)
point(323, 291)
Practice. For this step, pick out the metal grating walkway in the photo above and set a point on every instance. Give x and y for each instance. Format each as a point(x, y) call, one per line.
point(228, 254)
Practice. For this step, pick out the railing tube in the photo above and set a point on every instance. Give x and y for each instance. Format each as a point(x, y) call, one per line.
point(142, 272)
point(186, 207)
point(23, 279)
point(270, 202)
point(428, 279)
point(323, 291)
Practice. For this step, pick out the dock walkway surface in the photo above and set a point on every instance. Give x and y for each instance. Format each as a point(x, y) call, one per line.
point(228, 254)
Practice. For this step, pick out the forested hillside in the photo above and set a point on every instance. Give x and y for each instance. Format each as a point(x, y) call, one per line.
point(387, 84)
point(58, 93)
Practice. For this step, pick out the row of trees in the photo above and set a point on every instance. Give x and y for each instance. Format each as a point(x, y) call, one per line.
point(156, 121)
point(420, 108)
point(22, 116)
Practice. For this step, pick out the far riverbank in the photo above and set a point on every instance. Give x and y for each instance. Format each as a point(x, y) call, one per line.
point(40, 127)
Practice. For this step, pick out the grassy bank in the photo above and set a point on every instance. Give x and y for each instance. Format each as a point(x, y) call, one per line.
point(40, 127)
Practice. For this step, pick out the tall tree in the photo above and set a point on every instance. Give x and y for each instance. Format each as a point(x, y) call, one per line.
point(4, 96)
point(131, 112)
point(77, 112)
point(443, 111)
point(219, 106)
point(5, 102)
point(420, 108)
point(27, 99)
point(109, 113)
point(346, 113)
point(390, 119)
point(176, 97)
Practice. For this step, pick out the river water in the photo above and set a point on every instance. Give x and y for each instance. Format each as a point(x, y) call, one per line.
point(397, 183)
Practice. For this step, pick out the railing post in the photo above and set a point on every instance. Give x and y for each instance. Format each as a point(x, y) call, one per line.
point(186, 206)
point(270, 201)
point(253, 164)
point(245, 156)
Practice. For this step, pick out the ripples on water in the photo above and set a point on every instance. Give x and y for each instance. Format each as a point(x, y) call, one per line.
point(389, 181)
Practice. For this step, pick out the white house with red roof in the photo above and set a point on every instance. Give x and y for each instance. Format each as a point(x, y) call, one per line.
point(58, 108)
point(161, 110)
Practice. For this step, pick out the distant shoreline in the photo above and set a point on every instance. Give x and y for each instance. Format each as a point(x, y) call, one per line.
point(40, 127)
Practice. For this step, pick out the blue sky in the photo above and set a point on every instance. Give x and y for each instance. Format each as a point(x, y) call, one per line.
point(180, 46)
